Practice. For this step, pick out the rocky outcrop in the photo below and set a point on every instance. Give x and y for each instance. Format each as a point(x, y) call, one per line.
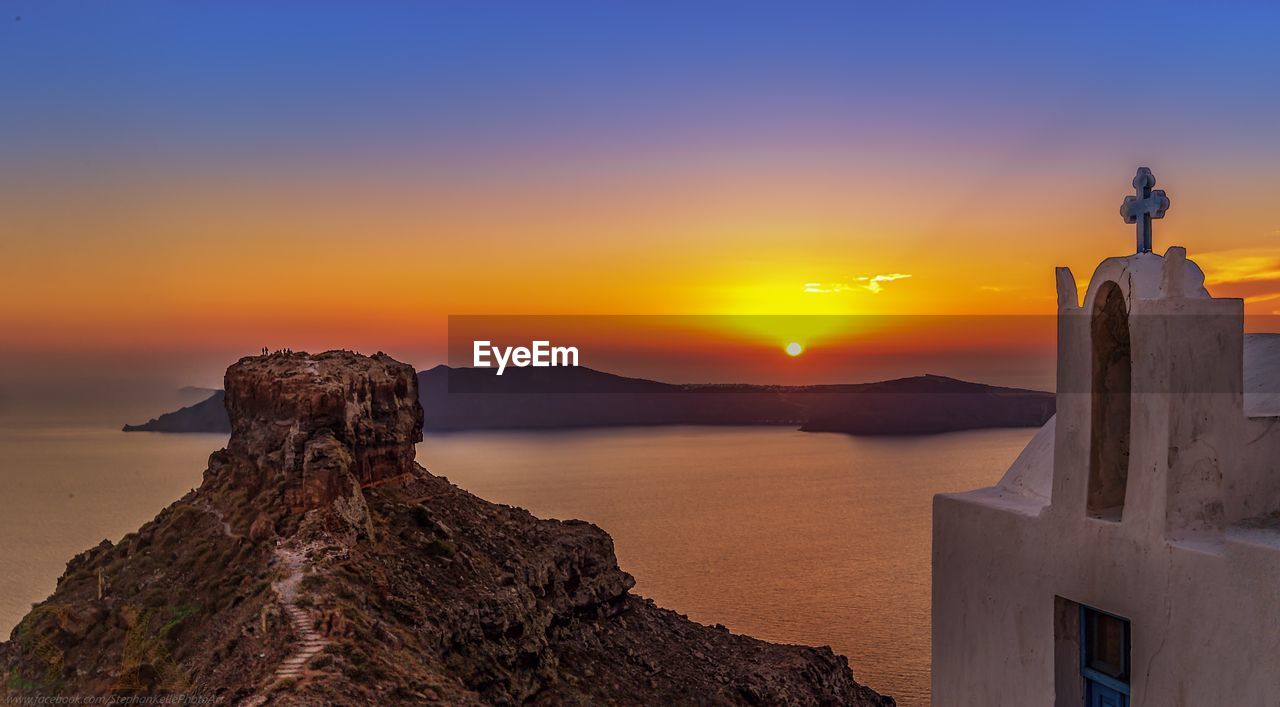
point(318, 564)
point(321, 426)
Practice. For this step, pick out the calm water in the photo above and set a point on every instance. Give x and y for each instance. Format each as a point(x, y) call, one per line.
point(793, 537)
point(64, 489)
point(785, 535)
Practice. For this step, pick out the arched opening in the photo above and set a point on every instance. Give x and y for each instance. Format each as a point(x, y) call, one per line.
point(1110, 396)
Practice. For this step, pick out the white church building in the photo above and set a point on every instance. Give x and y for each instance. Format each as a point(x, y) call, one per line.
point(1131, 553)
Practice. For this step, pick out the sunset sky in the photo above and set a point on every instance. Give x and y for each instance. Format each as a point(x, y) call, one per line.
point(188, 182)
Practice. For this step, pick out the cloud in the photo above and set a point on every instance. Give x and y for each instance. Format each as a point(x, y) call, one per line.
point(1237, 266)
point(870, 283)
point(873, 283)
point(1251, 290)
point(1250, 274)
point(823, 289)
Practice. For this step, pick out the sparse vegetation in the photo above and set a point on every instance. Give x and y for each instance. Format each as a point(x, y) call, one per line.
point(178, 616)
point(438, 548)
point(312, 582)
point(422, 517)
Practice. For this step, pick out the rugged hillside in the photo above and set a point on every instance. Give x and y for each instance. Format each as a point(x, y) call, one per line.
point(318, 564)
point(558, 398)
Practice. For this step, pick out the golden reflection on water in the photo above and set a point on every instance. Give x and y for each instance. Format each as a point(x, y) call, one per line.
point(821, 539)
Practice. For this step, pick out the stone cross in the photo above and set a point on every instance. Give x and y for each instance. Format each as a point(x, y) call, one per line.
point(1147, 204)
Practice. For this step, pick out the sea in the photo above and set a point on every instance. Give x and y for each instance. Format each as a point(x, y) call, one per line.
point(793, 537)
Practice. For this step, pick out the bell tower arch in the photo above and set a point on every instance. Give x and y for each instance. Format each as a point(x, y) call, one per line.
point(1111, 403)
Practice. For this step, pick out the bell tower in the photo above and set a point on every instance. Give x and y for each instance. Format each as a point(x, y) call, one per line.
point(1150, 367)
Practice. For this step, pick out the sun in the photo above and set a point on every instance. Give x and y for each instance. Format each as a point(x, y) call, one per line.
point(794, 349)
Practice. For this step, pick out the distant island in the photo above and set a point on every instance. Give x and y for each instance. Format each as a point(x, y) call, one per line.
point(208, 415)
point(459, 399)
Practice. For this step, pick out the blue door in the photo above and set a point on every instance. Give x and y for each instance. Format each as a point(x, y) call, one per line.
point(1100, 695)
point(1104, 658)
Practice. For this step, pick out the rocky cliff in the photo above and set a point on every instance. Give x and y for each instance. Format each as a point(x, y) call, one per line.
point(318, 564)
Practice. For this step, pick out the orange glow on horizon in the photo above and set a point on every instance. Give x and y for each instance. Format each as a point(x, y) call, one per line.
point(213, 261)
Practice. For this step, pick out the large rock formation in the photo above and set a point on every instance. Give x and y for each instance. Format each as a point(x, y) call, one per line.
point(320, 427)
point(318, 564)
